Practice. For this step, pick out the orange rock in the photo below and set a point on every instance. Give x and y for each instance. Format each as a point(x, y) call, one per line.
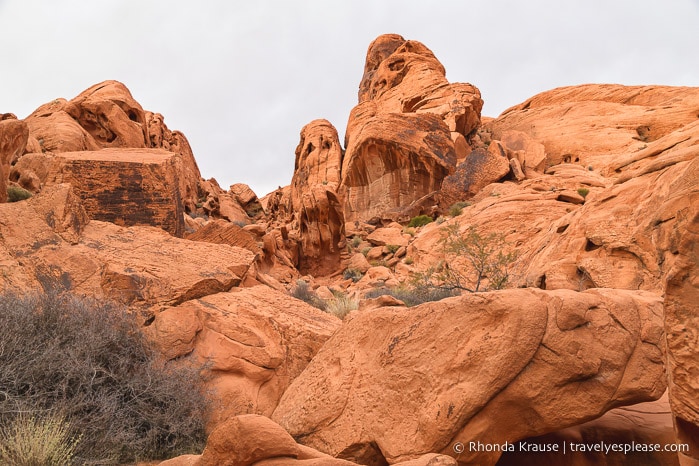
point(123, 186)
point(314, 202)
point(245, 440)
point(48, 242)
point(13, 139)
point(647, 423)
point(222, 232)
point(548, 358)
point(479, 169)
point(107, 116)
point(254, 342)
point(682, 313)
point(406, 133)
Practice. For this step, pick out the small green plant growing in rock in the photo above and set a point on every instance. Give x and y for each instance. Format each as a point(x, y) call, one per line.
point(457, 208)
point(392, 248)
point(487, 265)
point(356, 241)
point(409, 231)
point(419, 221)
point(408, 261)
point(17, 193)
point(365, 251)
point(583, 192)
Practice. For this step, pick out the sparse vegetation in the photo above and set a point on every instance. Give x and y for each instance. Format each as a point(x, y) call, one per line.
point(32, 440)
point(303, 291)
point(412, 296)
point(353, 274)
point(356, 241)
point(457, 208)
point(341, 305)
point(17, 193)
point(73, 368)
point(583, 192)
point(408, 261)
point(392, 248)
point(419, 221)
point(409, 231)
point(487, 265)
point(365, 251)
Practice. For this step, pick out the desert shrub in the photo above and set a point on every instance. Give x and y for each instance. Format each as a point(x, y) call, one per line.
point(457, 208)
point(487, 264)
point(341, 305)
point(31, 440)
point(408, 261)
point(419, 221)
point(392, 248)
point(409, 231)
point(352, 273)
point(88, 362)
point(356, 241)
point(414, 295)
point(17, 193)
point(365, 251)
point(303, 291)
point(583, 192)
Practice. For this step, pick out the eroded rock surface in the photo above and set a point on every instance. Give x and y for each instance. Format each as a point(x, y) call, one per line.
point(252, 341)
point(396, 384)
point(400, 139)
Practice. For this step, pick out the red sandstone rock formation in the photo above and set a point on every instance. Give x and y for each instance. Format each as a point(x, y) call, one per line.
point(400, 139)
point(13, 139)
point(395, 384)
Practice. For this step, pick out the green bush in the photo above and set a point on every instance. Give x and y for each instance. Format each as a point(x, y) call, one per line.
point(392, 248)
point(356, 241)
point(583, 192)
point(88, 362)
point(17, 193)
point(30, 440)
point(419, 221)
point(457, 208)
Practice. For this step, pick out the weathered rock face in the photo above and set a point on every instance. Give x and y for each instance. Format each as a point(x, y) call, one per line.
point(400, 139)
point(48, 241)
point(13, 139)
point(106, 116)
point(682, 316)
point(314, 202)
point(395, 384)
point(122, 186)
point(586, 124)
point(392, 161)
point(253, 341)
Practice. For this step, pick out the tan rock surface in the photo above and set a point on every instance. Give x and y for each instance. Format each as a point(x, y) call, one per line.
point(552, 358)
point(253, 342)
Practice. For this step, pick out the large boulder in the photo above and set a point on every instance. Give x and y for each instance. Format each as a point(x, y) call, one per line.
point(106, 116)
point(252, 341)
point(122, 186)
point(393, 384)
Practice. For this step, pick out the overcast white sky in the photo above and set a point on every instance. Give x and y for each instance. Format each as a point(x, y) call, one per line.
point(240, 79)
